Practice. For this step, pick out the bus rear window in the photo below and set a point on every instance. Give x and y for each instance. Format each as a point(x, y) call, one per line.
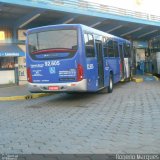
point(53, 44)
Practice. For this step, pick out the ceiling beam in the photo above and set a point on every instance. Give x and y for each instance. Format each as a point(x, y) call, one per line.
point(6, 22)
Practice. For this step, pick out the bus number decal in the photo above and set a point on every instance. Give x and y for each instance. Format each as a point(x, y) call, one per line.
point(90, 66)
point(52, 63)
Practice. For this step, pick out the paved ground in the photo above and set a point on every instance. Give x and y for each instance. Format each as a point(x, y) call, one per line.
point(13, 90)
point(126, 121)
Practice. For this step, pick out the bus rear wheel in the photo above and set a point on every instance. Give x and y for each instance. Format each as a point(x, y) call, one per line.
point(110, 87)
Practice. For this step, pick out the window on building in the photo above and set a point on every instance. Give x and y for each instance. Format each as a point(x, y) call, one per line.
point(7, 63)
point(2, 35)
point(5, 35)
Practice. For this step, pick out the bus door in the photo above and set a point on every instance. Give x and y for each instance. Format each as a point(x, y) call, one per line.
point(100, 63)
point(121, 61)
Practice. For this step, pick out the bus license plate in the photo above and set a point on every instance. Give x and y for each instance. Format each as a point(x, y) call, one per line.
point(53, 88)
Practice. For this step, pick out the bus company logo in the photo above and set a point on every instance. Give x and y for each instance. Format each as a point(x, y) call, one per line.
point(70, 72)
point(52, 70)
point(37, 65)
point(37, 73)
point(51, 63)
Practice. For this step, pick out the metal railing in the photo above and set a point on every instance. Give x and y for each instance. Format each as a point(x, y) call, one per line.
point(101, 8)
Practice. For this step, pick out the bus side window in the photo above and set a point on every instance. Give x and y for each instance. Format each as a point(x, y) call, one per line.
point(116, 53)
point(105, 51)
point(110, 48)
point(127, 50)
point(105, 48)
point(89, 45)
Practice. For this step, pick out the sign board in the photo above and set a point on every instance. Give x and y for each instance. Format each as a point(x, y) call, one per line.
point(12, 54)
point(22, 69)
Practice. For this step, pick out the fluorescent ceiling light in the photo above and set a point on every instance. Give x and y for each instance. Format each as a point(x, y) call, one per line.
point(30, 20)
point(135, 30)
point(69, 20)
point(147, 33)
point(96, 24)
point(115, 28)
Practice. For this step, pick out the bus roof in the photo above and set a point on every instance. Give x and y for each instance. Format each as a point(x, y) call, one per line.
point(84, 27)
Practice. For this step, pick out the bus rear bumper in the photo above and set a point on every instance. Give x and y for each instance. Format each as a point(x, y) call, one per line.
point(80, 86)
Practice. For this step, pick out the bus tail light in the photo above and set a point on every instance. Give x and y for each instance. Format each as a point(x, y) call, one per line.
point(29, 76)
point(79, 72)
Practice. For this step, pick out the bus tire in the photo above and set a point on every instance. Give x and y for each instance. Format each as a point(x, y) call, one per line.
point(110, 87)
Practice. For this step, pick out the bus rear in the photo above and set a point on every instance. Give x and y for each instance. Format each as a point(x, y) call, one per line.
point(54, 59)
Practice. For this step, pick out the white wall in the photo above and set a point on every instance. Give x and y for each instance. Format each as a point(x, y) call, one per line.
point(7, 77)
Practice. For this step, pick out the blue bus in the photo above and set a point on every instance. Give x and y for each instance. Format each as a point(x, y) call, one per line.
point(75, 58)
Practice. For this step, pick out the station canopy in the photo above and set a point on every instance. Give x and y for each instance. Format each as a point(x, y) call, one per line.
point(127, 24)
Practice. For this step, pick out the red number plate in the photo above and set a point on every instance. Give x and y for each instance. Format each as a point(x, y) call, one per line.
point(53, 88)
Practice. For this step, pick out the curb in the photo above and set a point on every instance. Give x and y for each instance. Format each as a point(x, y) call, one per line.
point(25, 97)
point(137, 80)
point(149, 74)
point(157, 79)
